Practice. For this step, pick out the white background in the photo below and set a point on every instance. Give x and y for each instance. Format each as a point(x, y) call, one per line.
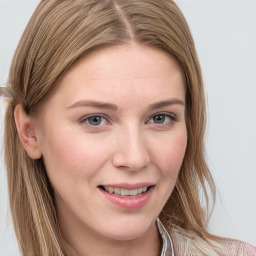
point(225, 36)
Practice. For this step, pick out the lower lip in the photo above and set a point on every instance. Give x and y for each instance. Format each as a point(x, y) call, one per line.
point(131, 202)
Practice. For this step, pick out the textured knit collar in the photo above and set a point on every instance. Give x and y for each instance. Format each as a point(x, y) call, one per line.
point(167, 249)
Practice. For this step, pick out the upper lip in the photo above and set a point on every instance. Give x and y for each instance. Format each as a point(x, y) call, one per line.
point(129, 185)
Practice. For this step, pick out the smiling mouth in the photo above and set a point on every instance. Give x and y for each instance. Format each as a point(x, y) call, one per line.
point(124, 191)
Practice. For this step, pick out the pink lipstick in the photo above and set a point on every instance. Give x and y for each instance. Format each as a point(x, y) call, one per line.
point(128, 196)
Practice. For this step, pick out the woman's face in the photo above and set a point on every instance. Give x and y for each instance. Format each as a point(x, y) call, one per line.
point(113, 137)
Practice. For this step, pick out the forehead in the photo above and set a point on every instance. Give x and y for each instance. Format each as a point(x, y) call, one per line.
point(123, 71)
point(129, 60)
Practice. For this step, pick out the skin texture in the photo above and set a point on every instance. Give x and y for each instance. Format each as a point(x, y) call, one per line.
point(128, 145)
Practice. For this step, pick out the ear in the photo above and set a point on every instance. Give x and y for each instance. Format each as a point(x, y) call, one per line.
point(26, 130)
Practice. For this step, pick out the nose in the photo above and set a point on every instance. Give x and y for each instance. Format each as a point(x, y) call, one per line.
point(131, 150)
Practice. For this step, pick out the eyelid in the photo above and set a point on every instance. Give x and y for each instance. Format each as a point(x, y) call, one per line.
point(172, 115)
point(169, 121)
point(83, 119)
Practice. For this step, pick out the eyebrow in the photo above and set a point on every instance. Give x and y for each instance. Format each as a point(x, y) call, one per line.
point(166, 103)
point(93, 103)
point(110, 106)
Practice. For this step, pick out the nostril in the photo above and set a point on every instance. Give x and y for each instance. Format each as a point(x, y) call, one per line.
point(127, 162)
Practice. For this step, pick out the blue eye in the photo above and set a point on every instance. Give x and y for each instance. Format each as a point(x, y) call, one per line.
point(162, 119)
point(159, 119)
point(95, 120)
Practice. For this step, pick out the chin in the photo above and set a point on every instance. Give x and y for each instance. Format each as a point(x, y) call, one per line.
point(125, 236)
point(128, 235)
point(129, 230)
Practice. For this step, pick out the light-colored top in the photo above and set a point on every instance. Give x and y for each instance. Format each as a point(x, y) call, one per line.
point(229, 247)
point(167, 249)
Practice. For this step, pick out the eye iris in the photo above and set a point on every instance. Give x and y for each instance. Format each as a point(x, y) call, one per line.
point(159, 119)
point(94, 120)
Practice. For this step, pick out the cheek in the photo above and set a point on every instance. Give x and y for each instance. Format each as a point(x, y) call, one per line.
point(70, 156)
point(171, 154)
point(168, 159)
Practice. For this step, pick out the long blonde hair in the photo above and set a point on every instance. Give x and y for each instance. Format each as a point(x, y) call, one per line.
point(59, 34)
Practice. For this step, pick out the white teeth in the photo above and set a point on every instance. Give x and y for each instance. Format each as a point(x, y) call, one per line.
point(134, 192)
point(126, 192)
point(117, 191)
point(141, 189)
point(110, 190)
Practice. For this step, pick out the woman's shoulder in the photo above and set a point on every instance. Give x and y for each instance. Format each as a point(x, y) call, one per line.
point(233, 247)
point(190, 244)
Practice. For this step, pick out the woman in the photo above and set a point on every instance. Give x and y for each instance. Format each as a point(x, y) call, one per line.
point(104, 133)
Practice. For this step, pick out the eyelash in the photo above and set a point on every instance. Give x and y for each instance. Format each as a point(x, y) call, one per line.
point(171, 116)
point(86, 118)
